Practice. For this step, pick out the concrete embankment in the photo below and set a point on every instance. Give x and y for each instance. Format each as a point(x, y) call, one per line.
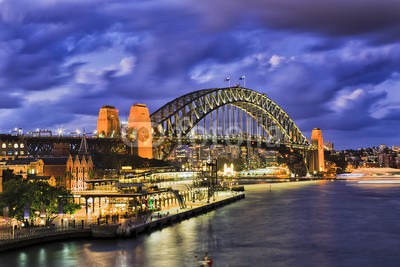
point(48, 237)
point(171, 219)
point(257, 180)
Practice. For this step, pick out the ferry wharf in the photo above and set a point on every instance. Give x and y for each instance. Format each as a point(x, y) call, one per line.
point(127, 229)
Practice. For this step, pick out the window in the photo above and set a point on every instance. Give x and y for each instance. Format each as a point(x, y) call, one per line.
point(22, 145)
point(21, 152)
point(9, 145)
point(15, 145)
point(4, 145)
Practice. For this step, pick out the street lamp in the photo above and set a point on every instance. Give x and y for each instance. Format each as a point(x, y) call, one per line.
point(59, 132)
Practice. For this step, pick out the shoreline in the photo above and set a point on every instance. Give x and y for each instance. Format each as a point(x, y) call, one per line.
point(114, 231)
point(160, 223)
point(258, 180)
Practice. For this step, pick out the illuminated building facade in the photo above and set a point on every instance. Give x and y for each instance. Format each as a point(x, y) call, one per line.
point(316, 156)
point(140, 131)
point(329, 146)
point(27, 168)
point(181, 153)
point(108, 122)
point(228, 171)
point(12, 146)
point(79, 169)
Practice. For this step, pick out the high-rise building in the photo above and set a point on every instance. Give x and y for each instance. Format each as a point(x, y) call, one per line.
point(181, 153)
point(140, 131)
point(108, 122)
point(316, 156)
point(383, 160)
point(329, 146)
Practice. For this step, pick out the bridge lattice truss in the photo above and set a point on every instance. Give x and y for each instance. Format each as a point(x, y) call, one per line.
point(44, 146)
point(177, 118)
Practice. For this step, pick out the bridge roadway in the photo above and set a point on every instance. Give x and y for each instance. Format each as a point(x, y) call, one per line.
point(45, 145)
point(234, 141)
point(164, 145)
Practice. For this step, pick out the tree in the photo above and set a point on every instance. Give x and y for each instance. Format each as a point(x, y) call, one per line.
point(8, 174)
point(15, 196)
point(23, 197)
point(339, 160)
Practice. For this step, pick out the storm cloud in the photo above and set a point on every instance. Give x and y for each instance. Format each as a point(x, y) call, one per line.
point(329, 64)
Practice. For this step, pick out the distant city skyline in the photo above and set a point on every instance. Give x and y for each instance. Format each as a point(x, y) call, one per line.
point(332, 65)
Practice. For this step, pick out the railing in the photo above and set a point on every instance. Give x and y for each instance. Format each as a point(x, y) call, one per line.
point(15, 234)
point(76, 192)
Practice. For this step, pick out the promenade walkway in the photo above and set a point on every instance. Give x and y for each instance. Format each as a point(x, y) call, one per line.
point(14, 238)
point(175, 209)
point(170, 216)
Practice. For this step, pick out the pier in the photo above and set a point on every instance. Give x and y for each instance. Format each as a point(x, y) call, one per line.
point(179, 217)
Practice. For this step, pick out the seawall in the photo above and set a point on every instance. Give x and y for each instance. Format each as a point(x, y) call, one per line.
point(48, 237)
point(176, 218)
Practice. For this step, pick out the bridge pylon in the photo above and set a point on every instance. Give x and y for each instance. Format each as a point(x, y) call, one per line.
point(108, 122)
point(140, 131)
point(316, 158)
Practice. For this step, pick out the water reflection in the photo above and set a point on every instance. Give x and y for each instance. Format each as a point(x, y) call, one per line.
point(22, 259)
point(298, 224)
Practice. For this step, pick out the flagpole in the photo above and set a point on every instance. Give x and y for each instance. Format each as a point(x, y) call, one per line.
point(244, 80)
point(228, 79)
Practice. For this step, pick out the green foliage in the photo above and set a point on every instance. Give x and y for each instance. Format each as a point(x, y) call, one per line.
point(296, 164)
point(20, 195)
point(9, 175)
point(339, 160)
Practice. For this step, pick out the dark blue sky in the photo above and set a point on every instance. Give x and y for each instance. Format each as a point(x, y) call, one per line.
point(329, 64)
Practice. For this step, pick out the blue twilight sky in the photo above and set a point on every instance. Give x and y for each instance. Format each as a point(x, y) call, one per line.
point(332, 64)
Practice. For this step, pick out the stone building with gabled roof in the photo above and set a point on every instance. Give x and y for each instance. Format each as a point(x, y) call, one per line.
point(68, 172)
point(20, 166)
point(78, 169)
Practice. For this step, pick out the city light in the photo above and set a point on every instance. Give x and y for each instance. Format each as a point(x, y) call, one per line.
point(60, 131)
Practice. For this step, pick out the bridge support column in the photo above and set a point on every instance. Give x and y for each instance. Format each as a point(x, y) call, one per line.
point(86, 205)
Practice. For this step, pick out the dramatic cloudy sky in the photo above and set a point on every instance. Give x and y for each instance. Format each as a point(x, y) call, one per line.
point(332, 64)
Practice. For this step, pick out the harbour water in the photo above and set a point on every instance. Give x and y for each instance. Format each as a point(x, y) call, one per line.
point(295, 224)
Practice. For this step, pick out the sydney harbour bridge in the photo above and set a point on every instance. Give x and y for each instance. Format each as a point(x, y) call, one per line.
point(234, 116)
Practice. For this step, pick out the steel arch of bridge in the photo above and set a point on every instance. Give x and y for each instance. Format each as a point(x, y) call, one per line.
point(182, 114)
